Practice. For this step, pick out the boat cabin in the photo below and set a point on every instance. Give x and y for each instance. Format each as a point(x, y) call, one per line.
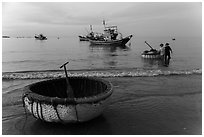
point(111, 32)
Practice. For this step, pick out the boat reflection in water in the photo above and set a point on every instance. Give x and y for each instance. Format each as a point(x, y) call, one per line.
point(110, 48)
point(111, 56)
point(153, 62)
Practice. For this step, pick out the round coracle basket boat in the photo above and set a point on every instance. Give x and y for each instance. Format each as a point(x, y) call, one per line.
point(151, 54)
point(48, 101)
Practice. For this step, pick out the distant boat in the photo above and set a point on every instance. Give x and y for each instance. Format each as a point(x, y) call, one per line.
point(116, 42)
point(110, 37)
point(5, 36)
point(84, 38)
point(40, 37)
point(90, 35)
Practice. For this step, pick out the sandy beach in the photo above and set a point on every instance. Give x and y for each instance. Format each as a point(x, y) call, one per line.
point(139, 106)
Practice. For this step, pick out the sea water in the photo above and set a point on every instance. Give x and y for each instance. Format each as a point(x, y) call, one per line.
point(33, 58)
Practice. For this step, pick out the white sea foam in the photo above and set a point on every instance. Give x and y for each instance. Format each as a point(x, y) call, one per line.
point(101, 73)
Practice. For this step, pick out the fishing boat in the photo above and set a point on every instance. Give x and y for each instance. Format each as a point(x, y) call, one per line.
point(110, 37)
point(90, 35)
point(40, 37)
point(5, 36)
point(83, 38)
point(117, 42)
point(87, 37)
point(151, 54)
point(67, 100)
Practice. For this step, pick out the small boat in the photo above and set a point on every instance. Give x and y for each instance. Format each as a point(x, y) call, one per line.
point(5, 36)
point(117, 42)
point(40, 37)
point(47, 100)
point(67, 100)
point(151, 54)
point(90, 35)
point(87, 37)
point(83, 38)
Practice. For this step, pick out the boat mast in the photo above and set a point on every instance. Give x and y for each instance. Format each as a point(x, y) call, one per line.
point(91, 28)
point(104, 24)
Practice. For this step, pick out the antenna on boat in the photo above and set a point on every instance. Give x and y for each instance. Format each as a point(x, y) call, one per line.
point(70, 93)
point(91, 28)
point(104, 23)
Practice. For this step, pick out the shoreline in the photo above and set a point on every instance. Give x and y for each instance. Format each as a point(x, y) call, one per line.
point(139, 106)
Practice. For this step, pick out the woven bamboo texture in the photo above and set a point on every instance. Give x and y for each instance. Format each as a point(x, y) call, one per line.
point(46, 100)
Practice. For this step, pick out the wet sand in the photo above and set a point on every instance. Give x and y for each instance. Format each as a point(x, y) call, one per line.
point(164, 105)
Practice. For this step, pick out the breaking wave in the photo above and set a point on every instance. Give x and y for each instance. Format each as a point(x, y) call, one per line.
point(95, 73)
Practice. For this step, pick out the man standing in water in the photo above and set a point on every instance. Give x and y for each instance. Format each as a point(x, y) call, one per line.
point(162, 50)
point(167, 55)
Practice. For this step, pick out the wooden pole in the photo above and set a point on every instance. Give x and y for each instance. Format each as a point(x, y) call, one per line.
point(69, 91)
point(148, 45)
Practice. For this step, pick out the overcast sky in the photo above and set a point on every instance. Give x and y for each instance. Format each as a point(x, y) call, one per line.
point(66, 18)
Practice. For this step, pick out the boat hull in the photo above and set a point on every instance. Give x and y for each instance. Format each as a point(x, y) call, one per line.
point(40, 38)
point(81, 38)
point(156, 56)
point(46, 100)
point(151, 55)
point(112, 42)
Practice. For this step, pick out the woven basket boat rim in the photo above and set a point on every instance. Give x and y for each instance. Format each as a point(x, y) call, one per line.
point(55, 100)
point(149, 54)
